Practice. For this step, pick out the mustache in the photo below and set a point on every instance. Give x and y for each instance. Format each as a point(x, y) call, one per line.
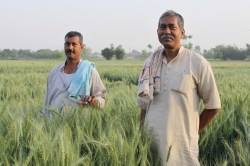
point(69, 51)
point(166, 36)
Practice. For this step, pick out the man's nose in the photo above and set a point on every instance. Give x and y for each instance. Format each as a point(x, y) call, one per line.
point(167, 31)
point(70, 46)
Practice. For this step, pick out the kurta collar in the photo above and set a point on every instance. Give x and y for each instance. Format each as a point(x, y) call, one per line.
point(178, 56)
point(61, 68)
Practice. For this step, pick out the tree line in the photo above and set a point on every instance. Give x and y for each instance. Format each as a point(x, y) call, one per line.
point(219, 52)
point(109, 53)
point(39, 54)
point(28, 54)
point(228, 53)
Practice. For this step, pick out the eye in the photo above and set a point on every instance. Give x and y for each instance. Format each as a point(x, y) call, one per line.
point(162, 26)
point(66, 44)
point(172, 27)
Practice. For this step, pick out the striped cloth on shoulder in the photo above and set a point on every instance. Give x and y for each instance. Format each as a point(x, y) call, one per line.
point(149, 80)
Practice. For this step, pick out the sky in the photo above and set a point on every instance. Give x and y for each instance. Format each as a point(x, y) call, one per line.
point(42, 24)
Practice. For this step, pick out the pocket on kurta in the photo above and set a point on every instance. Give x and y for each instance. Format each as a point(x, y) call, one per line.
point(180, 83)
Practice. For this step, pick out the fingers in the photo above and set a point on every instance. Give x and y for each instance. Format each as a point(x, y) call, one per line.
point(82, 102)
point(86, 100)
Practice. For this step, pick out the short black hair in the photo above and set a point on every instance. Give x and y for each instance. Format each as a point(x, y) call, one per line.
point(73, 34)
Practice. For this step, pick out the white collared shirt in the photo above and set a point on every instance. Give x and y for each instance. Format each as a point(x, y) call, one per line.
point(57, 89)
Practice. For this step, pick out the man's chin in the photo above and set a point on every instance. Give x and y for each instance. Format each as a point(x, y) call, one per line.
point(70, 56)
point(168, 46)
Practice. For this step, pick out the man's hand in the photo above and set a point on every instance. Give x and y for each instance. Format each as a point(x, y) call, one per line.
point(88, 100)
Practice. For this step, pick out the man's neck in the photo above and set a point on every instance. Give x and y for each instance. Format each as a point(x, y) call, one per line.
point(71, 66)
point(171, 53)
point(72, 61)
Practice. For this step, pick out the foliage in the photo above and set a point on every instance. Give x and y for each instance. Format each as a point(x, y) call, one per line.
point(144, 54)
point(226, 53)
point(108, 53)
point(119, 52)
point(230, 52)
point(248, 51)
point(86, 136)
point(187, 44)
point(86, 53)
point(197, 49)
point(226, 140)
point(149, 48)
point(28, 54)
point(47, 54)
point(213, 54)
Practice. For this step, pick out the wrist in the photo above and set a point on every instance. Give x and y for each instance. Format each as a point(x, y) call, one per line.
point(93, 102)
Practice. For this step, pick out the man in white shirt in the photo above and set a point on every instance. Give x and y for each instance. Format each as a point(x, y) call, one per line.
point(61, 76)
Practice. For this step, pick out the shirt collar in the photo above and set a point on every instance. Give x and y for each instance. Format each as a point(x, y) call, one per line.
point(180, 53)
point(181, 50)
point(61, 68)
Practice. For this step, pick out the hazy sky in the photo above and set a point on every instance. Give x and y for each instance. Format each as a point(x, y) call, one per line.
point(41, 24)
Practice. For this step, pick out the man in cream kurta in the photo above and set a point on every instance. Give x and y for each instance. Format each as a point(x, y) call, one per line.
point(173, 114)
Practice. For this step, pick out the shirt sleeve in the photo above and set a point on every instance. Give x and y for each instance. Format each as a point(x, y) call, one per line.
point(46, 98)
point(97, 88)
point(207, 87)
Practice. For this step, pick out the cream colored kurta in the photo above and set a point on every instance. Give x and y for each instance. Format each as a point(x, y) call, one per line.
point(173, 115)
point(57, 89)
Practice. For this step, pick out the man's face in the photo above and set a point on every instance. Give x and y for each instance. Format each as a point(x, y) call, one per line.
point(73, 48)
point(169, 32)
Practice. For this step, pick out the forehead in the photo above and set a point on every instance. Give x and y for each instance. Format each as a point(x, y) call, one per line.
point(72, 39)
point(169, 20)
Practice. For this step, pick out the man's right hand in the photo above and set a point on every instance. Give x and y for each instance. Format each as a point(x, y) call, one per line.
point(88, 100)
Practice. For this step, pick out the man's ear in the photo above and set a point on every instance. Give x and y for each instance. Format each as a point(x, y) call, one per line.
point(183, 33)
point(83, 46)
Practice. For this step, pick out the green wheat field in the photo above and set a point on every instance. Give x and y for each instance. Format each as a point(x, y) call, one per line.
point(111, 137)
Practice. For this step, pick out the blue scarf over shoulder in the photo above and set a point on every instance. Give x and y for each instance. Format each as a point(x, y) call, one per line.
point(80, 84)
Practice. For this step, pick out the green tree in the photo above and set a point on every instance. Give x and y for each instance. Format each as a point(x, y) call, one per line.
point(226, 52)
point(58, 54)
point(24, 53)
point(248, 51)
point(149, 48)
point(108, 53)
point(8, 54)
point(47, 54)
point(197, 49)
point(212, 54)
point(86, 52)
point(186, 37)
point(144, 53)
point(119, 52)
point(231, 52)
point(187, 44)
